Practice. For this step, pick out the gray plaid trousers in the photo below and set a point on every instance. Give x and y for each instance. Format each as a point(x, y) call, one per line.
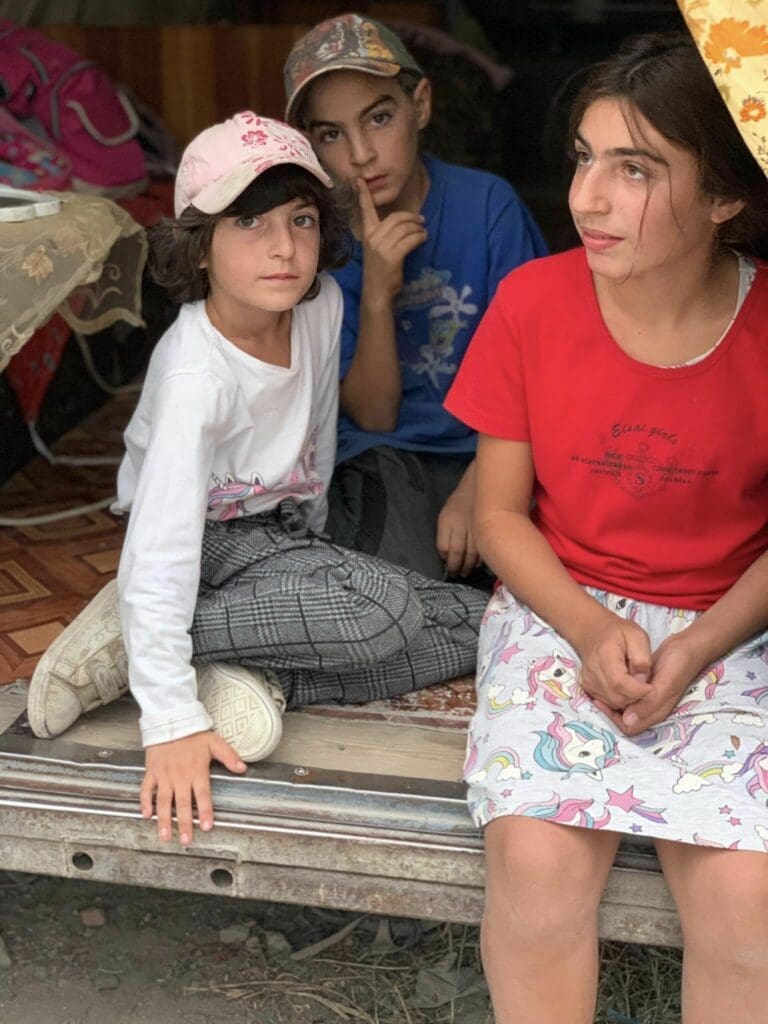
point(334, 625)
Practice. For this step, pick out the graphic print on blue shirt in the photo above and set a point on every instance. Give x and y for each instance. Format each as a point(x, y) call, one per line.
point(477, 231)
point(447, 311)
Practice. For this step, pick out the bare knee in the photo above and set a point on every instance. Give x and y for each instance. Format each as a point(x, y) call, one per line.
point(544, 881)
point(724, 911)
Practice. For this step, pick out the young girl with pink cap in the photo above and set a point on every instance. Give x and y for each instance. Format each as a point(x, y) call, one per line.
point(229, 602)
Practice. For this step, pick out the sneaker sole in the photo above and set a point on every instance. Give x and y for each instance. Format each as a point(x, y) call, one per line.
point(245, 705)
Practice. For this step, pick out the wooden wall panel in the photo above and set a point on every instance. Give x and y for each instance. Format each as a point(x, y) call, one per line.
point(195, 75)
point(130, 54)
point(192, 75)
point(189, 76)
point(309, 12)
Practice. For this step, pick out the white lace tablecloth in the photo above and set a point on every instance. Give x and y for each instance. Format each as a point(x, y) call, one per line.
point(84, 262)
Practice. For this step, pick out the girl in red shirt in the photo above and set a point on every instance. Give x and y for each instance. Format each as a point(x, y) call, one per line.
point(622, 500)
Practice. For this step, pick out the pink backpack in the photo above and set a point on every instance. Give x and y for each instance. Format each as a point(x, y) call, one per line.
point(73, 104)
point(26, 161)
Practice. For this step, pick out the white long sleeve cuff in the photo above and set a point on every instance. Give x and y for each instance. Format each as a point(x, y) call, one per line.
point(183, 720)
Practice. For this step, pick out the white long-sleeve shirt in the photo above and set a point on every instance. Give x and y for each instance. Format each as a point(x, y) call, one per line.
point(217, 433)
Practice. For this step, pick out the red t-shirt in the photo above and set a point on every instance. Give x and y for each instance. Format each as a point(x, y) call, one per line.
point(650, 482)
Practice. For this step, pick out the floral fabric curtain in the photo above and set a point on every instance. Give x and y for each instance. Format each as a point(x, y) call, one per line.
point(732, 36)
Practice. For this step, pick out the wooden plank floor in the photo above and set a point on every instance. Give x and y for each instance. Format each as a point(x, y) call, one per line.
point(321, 738)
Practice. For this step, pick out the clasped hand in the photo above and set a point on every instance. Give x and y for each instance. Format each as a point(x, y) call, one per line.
point(635, 687)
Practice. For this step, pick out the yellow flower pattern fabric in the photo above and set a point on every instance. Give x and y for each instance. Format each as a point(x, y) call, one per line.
point(732, 36)
point(84, 262)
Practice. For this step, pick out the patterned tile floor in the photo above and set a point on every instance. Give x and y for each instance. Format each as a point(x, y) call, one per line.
point(49, 572)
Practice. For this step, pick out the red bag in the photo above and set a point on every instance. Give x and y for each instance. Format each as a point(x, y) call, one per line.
point(32, 369)
point(73, 104)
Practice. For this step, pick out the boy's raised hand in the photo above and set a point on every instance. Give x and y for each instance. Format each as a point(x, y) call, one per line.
point(386, 242)
point(177, 774)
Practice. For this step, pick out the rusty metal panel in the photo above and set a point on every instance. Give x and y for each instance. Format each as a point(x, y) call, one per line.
point(322, 799)
point(636, 906)
point(633, 906)
point(395, 857)
point(365, 843)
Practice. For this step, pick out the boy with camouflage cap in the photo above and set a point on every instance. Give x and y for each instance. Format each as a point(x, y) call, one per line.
point(432, 242)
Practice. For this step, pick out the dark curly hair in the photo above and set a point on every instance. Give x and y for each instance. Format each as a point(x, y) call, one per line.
point(662, 76)
point(177, 247)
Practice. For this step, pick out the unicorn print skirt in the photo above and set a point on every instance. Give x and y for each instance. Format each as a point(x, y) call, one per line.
point(538, 747)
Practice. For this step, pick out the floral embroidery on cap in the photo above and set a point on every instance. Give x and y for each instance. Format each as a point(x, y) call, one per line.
point(255, 138)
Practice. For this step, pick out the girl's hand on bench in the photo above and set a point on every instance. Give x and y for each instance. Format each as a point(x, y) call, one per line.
point(178, 774)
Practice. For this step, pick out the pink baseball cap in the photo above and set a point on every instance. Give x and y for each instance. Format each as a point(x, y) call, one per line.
point(223, 160)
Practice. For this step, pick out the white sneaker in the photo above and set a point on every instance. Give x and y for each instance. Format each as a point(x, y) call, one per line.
point(85, 666)
point(246, 705)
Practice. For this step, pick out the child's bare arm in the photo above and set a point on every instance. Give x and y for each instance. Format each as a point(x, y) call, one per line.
point(177, 776)
point(455, 536)
point(615, 654)
point(372, 389)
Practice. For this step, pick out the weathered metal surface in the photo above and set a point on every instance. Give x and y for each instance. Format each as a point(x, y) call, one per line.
point(385, 845)
point(394, 855)
point(314, 869)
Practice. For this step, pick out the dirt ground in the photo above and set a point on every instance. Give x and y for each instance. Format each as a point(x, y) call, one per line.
point(84, 952)
point(81, 952)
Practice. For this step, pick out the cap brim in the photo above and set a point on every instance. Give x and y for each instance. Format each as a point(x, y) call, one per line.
point(218, 195)
point(347, 65)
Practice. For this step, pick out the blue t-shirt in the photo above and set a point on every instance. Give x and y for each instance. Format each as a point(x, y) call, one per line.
point(477, 231)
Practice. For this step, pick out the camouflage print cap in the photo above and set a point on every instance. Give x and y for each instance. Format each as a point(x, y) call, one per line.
point(349, 42)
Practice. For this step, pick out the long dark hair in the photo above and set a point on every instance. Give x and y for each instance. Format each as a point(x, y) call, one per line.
point(179, 246)
point(663, 77)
